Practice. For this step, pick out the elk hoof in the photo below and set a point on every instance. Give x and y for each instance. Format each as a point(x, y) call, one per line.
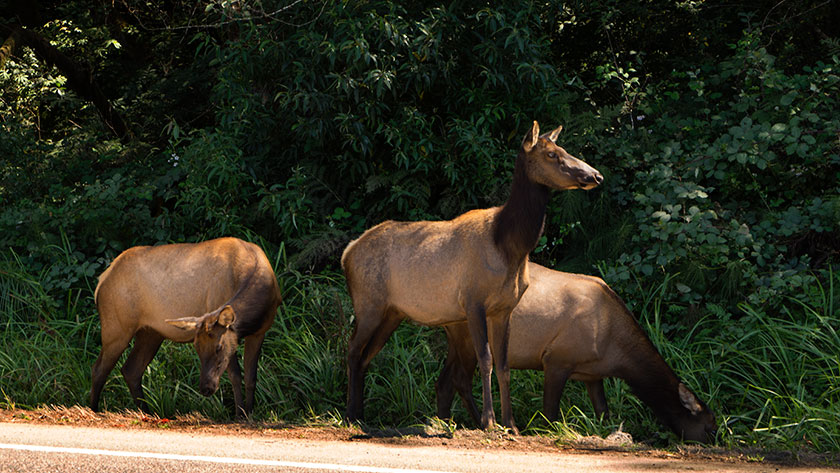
point(488, 422)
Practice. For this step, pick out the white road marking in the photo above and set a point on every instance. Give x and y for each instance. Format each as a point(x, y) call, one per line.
point(226, 460)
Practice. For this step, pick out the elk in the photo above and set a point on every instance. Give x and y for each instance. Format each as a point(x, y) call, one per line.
point(471, 269)
point(213, 294)
point(575, 327)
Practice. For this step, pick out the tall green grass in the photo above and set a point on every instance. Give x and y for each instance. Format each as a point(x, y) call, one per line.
point(785, 372)
point(39, 353)
point(772, 374)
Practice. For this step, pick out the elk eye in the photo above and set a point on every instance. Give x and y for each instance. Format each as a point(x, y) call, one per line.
point(552, 155)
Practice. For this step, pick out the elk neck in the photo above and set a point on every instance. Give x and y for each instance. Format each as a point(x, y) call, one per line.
point(251, 301)
point(640, 365)
point(652, 380)
point(519, 223)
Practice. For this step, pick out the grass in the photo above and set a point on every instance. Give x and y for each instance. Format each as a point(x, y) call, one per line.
point(788, 370)
point(772, 375)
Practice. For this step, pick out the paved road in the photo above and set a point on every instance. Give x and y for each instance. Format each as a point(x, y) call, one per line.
point(61, 448)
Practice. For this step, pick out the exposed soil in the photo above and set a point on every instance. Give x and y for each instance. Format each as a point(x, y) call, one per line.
point(618, 443)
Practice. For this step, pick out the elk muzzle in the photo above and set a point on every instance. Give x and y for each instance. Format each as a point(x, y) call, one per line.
point(208, 386)
point(592, 180)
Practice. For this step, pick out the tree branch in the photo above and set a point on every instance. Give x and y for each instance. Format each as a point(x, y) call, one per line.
point(8, 48)
point(79, 77)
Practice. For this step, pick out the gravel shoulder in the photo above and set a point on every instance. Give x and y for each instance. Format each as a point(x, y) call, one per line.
point(616, 445)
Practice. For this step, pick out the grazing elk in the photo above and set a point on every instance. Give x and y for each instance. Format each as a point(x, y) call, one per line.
point(471, 269)
point(575, 327)
point(212, 294)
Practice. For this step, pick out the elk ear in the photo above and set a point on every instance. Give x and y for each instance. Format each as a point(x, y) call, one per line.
point(531, 137)
point(184, 323)
point(554, 133)
point(227, 316)
point(689, 400)
point(208, 320)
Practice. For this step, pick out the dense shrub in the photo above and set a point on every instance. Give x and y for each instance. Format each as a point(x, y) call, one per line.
point(300, 124)
point(731, 176)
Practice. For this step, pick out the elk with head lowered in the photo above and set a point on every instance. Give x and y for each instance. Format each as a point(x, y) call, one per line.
point(213, 294)
point(575, 327)
point(470, 269)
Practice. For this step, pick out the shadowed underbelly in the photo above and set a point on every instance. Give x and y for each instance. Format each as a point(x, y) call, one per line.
point(430, 312)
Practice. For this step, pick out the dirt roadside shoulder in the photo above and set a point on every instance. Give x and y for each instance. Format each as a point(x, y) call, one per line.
point(422, 436)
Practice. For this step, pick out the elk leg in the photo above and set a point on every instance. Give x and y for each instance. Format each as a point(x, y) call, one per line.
point(463, 383)
point(368, 326)
point(457, 373)
point(477, 321)
point(146, 345)
point(383, 333)
point(253, 347)
point(464, 374)
point(499, 336)
point(114, 344)
point(597, 397)
point(356, 385)
point(555, 382)
point(235, 375)
point(355, 376)
point(445, 385)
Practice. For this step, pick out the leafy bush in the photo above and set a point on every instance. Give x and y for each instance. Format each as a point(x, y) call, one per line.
point(301, 124)
point(725, 173)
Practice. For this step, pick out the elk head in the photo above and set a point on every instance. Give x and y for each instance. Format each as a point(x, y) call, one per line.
point(696, 422)
point(215, 342)
point(551, 166)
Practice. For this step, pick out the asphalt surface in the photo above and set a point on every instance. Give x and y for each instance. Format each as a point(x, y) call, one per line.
point(64, 448)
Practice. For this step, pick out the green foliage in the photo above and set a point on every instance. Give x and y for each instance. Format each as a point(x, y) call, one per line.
point(300, 124)
point(723, 196)
point(391, 114)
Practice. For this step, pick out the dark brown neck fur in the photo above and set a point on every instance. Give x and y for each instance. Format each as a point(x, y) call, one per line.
point(651, 379)
point(251, 307)
point(520, 221)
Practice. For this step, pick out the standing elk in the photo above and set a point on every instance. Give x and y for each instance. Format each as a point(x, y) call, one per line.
point(212, 294)
point(472, 268)
point(575, 327)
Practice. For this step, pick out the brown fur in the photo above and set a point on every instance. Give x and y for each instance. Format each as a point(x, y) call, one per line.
point(212, 294)
point(575, 327)
point(471, 269)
